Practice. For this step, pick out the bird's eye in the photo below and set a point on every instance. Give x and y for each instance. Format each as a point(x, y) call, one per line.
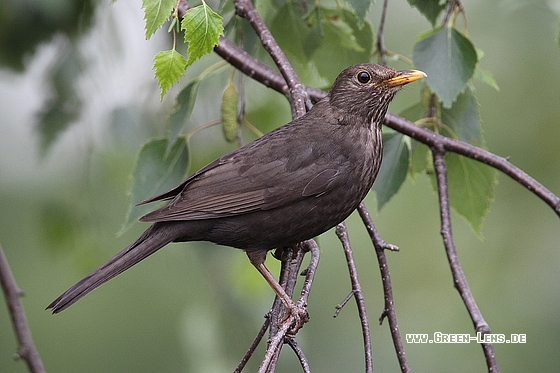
point(363, 77)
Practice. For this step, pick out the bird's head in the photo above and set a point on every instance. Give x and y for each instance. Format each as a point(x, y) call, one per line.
point(365, 90)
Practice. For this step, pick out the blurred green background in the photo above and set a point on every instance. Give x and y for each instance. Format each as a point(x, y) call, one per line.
point(196, 307)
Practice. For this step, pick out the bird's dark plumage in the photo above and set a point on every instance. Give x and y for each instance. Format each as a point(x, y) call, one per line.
point(288, 186)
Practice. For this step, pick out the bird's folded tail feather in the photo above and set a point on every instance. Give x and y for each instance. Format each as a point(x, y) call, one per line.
point(148, 243)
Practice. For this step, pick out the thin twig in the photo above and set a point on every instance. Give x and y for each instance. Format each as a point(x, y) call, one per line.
point(342, 234)
point(26, 350)
point(309, 245)
point(254, 345)
point(278, 310)
point(297, 97)
point(448, 12)
point(299, 353)
point(389, 308)
point(381, 35)
point(459, 280)
point(274, 344)
point(341, 305)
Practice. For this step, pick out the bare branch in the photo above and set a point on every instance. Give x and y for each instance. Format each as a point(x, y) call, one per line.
point(459, 280)
point(27, 350)
point(341, 305)
point(342, 234)
point(389, 309)
point(299, 353)
point(273, 349)
point(254, 345)
point(297, 96)
point(381, 35)
point(280, 323)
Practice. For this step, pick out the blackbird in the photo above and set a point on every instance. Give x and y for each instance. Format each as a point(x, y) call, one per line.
point(288, 186)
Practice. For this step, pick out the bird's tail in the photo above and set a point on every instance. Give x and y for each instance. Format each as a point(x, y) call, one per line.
point(153, 239)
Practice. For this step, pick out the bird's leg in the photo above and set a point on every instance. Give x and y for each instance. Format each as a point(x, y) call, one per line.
point(292, 310)
point(279, 290)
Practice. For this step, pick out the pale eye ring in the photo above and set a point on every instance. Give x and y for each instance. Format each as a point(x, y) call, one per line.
point(363, 77)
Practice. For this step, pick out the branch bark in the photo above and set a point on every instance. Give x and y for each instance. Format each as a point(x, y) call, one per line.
point(26, 350)
point(389, 311)
point(459, 279)
point(342, 234)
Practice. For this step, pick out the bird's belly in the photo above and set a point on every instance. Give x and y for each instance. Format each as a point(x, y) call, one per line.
point(286, 225)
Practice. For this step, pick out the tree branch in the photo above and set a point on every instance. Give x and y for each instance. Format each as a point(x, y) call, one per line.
point(299, 353)
point(342, 234)
point(245, 9)
point(283, 326)
point(459, 280)
point(434, 140)
point(381, 35)
point(389, 309)
point(27, 350)
point(254, 345)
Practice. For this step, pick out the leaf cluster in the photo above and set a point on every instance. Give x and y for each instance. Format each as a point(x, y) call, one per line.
point(202, 28)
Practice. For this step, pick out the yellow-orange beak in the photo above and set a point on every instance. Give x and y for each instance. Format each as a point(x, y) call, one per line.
point(404, 77)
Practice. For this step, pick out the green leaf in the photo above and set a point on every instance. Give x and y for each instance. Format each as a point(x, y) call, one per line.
point(291, 32)
point(483, 75)
point(344, 31)
point(414, 112)
point(183, 109)
point(63, 106)
point(343, 42)
point(156, 13)
point(157, 171)
point(419, 158)
point(203, 28)
point(463, 118)
point(170, 66)
point(471, 188)
point(486, 77)
point(186, 100)
point(393, 168)
point(361, 8)
point(430, 9)
point(449, 58)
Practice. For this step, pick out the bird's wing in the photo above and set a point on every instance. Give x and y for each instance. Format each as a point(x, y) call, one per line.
point(242, 182)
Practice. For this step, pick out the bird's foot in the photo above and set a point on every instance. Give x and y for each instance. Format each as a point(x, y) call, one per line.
point(295, 316)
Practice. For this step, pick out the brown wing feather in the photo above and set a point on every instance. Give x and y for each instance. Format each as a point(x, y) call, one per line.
point(248, 180)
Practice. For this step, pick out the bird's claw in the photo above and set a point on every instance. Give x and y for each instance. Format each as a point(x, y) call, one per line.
point(295, 316)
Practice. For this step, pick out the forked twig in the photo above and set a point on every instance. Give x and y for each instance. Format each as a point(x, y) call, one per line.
point(342, 234)
point(389, 308)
